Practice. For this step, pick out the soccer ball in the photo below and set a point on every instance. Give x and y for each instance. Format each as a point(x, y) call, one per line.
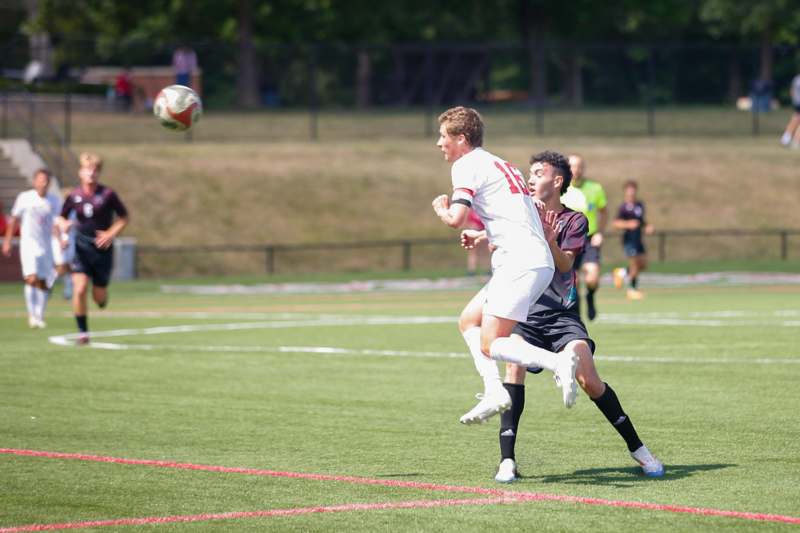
point(177, 107)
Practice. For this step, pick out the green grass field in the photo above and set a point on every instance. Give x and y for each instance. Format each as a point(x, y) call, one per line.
point(710, 384)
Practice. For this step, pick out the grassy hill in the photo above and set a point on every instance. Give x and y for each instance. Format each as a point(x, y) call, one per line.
point(348, 189)
point(298, 192)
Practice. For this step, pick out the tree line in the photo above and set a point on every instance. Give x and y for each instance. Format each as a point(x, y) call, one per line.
point(81, 30)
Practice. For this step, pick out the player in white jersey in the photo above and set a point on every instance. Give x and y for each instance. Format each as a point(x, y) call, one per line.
point(35, 210)
point(522, 265)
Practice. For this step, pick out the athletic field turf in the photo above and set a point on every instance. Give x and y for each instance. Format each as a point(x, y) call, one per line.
point(339, 412)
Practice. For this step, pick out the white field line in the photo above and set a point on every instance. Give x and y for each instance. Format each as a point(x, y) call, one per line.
point(331, 350)
point(790, 313)
point(647, 318)
point(408, 285)
point(190, 328)
point(68, 340)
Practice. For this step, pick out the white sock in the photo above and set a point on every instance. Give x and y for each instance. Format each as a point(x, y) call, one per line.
point(487, 368)
point(786, 138)
point(41, 302)
point(67, 285)
point(516, 350)
point(30, 299)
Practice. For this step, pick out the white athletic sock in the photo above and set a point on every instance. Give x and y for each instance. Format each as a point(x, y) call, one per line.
point(67, 285)
point(41, 302)
point(487, 368)
point(516, 350)
point(786, 138)
point(30, 300)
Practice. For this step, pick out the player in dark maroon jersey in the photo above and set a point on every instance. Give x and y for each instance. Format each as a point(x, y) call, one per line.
point(554, 323)
point(631, 219)
point(95, 207)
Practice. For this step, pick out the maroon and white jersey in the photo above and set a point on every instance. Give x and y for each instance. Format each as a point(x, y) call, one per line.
point(93, 212)
point(562, 293)
point(496, 191)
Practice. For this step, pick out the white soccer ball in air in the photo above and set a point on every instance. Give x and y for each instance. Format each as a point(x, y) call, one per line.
point(177, 107)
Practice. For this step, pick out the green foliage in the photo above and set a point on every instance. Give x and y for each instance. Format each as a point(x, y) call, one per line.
point(745, 20)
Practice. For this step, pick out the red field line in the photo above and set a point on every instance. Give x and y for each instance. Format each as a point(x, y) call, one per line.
point(205, 517)
point(513, 495)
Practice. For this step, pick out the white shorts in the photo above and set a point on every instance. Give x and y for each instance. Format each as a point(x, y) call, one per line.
point(62, 256)
point(511, 292)
point(39, 264)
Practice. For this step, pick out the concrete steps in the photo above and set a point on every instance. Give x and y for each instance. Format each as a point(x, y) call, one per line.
point(12, 182)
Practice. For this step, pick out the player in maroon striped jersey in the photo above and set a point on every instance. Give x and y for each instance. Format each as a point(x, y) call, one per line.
point(95, 207)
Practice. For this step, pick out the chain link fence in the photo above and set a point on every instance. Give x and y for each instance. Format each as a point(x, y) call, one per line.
point(330, 91)
point(441, 254)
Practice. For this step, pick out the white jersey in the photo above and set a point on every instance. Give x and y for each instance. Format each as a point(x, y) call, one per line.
point(496, 191)
point(36, 215)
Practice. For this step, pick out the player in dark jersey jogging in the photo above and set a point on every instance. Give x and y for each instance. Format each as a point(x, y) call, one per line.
point(631, 219)
point(95, 207)
point(554, 324)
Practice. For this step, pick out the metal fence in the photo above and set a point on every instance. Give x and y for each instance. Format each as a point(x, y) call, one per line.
point(587, 89)
point(439, 253)
point(29, 116)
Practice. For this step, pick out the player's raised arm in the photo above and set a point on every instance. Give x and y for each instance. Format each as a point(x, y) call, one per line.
point(453, 214)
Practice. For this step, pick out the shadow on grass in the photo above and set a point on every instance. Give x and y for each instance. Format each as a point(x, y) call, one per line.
point(624, 476)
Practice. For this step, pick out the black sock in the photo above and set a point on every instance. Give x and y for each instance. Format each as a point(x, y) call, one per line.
point(509, 420)
point(591, 312)
point(634, 282)
point(83, 327)
point(609, 405)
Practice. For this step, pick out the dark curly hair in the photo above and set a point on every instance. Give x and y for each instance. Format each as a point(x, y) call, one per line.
point(559, 162)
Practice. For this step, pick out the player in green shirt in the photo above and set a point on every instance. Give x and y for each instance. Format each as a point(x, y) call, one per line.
point(589, 198)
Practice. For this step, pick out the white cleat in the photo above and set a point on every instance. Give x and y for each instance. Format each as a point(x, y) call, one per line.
point(489, 405)
point(651, 467)
point(41, 324)
point(565, 377)
point(507, 471)
point(32, 322)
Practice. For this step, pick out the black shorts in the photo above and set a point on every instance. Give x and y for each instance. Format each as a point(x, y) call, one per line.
point(796, 108)
point(634, 248)
point(591, 254)
point(553, 332)
point(92, 261)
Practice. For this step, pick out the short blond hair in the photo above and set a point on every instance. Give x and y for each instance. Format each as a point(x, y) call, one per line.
point(464, 121)
point(89, 159)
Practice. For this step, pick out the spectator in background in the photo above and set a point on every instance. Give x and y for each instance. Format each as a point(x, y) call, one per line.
point(791, 136)
point(184, 63)
point(631, 220)
point(123, 89)
point(480, 251)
